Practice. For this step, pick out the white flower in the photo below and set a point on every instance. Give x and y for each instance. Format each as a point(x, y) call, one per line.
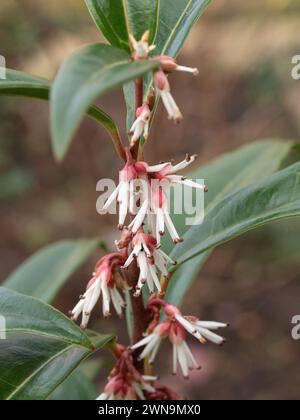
point(126, 192)
point(174, 327)
point(150, 259)
point(202, 330)
point(141, 48)
point(163, 176)
point(168, 64)
point(163, 86)
point(141, 124)
point(119, 388)
point(103, 282)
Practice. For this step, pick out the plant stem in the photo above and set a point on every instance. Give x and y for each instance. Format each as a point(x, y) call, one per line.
point(140, 314)
point(139, 93)
point(118, 144)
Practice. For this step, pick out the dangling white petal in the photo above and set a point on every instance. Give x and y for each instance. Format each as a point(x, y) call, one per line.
point(149, 378)
point(148, 350)
point(160, 263)
point(148, 388)
point(157, 168)
point(150, 282)
point(165, 256)
point(102, 397)
point(115, 300)
point(140, 217)
point(183, 361)
point(138, 391)
point(136, 250)
point(138, 131)
point(112, 198)
point(143, 264)
point(139, 286)
point(93, 300)
point(160, 221)
point(191, 360)
point(146, 130)
point(186, 69)
point(106, 299)
point(154, 352)
point(124, 202)
point(211, 325)
point(151, 222)
point(146, 249)
point(132, 204)
point(144, 341)
point(85, 319)
point(165, 99)
point(188, 326)
point(154, 277)
point(119, 297)
point(78, 309)
point(214, 338)
point(192, 184)
point(175, 111)
point(175, 356)
point(171, 228)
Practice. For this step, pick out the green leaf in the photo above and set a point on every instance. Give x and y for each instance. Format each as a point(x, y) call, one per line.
point(84, 76)
point(76, 388)
point(44, 273)
point(42, 347)
point(119, 18)
point(176, 19)
point(275, 198)
point(18, 83)
point(225, 175)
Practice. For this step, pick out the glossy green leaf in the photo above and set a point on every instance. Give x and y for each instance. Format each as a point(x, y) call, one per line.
point(119, 18)
point(84, 76)
point(44, 273)
point(76, 388)
point(42, 347)
point(275, 198)
point(225, 175)
point(18, 83)
point(176, 19)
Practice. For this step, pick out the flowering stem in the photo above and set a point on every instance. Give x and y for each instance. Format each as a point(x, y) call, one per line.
point(114, 348)
point(164, 282)
point(140, 315)
point(139, 92)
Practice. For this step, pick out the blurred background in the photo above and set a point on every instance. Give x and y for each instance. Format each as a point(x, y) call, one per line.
point(245, 92)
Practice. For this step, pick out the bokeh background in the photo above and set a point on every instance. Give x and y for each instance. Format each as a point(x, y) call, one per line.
point(244, 92)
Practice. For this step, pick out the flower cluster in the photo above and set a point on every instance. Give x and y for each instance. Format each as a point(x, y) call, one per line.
point(150, 258)
point(125, 381)
point(144, 217)
point(174, 327)
point(106, 280)
point(149, 186)
point(141, 51)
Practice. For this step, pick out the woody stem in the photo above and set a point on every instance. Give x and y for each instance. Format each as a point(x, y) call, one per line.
point(140, 315)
